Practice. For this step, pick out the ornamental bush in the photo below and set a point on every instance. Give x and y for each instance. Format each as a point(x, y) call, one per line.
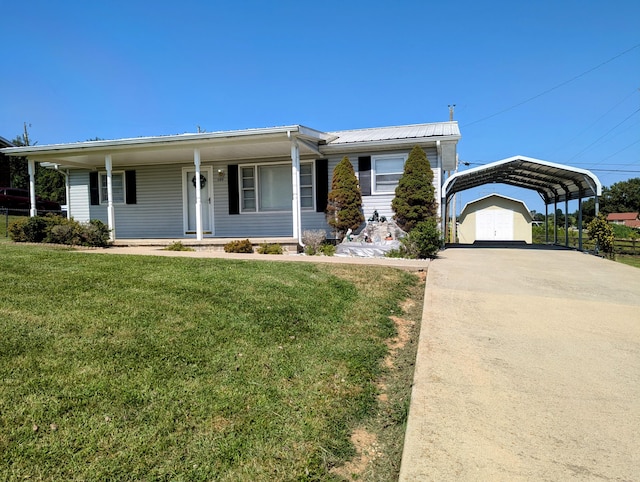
point(423, 241)
point(344, 202)
point(600, 230)
point(415, 200)
point(270, 248)
point(238, 246)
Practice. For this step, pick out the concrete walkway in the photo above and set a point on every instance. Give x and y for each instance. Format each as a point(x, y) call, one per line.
point(528, 369)
point(406, 264)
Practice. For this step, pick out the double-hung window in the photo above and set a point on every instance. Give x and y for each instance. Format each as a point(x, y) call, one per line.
point(267, 187)
point(117, 187)
point(386, 172)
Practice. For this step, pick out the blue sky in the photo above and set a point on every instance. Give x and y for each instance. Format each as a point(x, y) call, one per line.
point(77, 70)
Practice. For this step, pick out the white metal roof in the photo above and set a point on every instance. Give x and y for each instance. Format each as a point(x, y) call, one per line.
point(237, 145)
point(554, 182)
point(416, 131)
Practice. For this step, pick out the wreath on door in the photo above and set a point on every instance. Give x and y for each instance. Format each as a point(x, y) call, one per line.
point(203, 181)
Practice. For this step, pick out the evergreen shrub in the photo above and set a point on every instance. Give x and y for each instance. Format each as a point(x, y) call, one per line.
point(270, 248)
point(238, 246)
point(59, 230)
point(344, 202)
point(414, 199)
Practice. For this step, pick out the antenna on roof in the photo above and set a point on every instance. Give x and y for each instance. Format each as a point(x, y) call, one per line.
point(451, 109)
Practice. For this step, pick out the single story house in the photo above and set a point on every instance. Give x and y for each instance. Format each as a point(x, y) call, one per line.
point(495, 218)
point(631, 220)
point(253, 183)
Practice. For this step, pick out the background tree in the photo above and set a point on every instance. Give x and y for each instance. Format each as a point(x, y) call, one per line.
point(344, 202)
point(622, 197)
point(415, 200)
point(50, 184)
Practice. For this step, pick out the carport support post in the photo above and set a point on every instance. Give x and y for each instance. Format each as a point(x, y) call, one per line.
point(555, 220)
point(108, 165)
point(196, 162)
point(580, 222)
point(546, 222)
point(33, 209)
point(566, 222)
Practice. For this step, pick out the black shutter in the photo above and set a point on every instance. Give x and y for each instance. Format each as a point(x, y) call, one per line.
point(364, 170)
point(130, 184)
point(234, 192)
point(322, 184)
point(94, 193)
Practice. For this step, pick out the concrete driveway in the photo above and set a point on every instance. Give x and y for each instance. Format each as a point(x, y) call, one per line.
point(528, 369)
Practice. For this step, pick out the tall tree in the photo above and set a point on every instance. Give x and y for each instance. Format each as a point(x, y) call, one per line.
point(415, 195)
point(622, 197)
point(344, 202)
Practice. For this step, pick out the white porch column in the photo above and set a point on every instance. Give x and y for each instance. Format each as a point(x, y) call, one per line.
point(110, 213)
point(295, 187)
point(196, 162)
point(33, 209)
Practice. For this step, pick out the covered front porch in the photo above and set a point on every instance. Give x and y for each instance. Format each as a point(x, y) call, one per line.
point(197, 188)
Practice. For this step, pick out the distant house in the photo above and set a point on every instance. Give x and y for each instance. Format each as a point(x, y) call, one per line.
point(495, 218)
point(253, 183)
point(631, 220)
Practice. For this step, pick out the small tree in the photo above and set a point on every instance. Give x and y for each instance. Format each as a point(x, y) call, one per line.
point(415, 195)
point(600, 230)
point(344, 202)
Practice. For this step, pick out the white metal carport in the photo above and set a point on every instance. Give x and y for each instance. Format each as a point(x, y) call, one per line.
point(553, 182)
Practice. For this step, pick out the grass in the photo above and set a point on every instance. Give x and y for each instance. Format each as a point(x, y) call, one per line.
point(153, 368)
point(630, 260)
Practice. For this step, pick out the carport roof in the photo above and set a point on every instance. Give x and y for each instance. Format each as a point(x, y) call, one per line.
point(554, 182)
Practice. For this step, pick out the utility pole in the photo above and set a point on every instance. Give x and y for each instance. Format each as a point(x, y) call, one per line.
point(26, 135)
point(452, 107)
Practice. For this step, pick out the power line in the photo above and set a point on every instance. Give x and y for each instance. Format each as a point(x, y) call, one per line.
point(562, 84)
point(607, 133)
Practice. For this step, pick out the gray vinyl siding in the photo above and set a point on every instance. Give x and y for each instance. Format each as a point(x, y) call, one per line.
point(79, 196)
point(255, 224)
point(159, 211)
point(382, 202)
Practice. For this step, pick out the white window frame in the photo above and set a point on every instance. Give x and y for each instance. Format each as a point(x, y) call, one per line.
point(103, 175)
point(256, 186)
point(374, 173)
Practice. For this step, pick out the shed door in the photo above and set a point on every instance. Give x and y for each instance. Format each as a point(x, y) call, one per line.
point(494, 225)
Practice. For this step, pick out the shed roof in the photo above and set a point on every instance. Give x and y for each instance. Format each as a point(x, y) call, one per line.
point(552, 181)
point(522, 204)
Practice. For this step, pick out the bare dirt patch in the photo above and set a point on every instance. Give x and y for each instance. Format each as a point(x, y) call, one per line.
point(379, 441)
point(367, 450)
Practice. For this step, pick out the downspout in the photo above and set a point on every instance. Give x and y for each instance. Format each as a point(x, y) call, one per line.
point(33, 209)
point(67, 188)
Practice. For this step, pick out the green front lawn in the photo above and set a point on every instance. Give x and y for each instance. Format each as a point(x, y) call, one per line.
point(630, 260)
point(153, 368)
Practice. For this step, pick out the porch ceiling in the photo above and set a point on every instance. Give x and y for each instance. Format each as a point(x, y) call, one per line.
point(227, 146)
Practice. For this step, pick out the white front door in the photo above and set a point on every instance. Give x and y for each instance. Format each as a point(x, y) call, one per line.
point(190, 184)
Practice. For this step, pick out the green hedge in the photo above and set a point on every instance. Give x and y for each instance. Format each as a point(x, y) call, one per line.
point(59, 230)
